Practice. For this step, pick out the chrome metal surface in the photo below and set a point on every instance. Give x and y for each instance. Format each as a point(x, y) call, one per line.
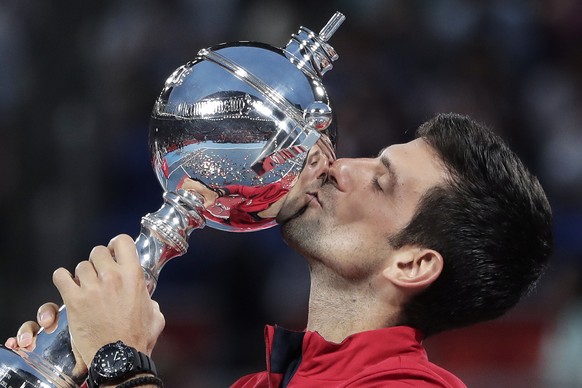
point(164, 234)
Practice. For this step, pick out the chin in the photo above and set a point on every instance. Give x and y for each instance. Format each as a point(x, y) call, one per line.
point(291, 230)
point(288, 230)
point(301, 235)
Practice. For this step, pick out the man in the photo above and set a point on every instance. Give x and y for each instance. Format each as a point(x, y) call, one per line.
point(445, 231)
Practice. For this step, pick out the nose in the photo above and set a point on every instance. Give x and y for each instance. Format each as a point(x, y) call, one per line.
point(344, 172)
point(317, 165)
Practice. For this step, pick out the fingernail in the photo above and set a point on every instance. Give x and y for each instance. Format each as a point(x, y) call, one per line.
point(45, 317)
point(24, 339)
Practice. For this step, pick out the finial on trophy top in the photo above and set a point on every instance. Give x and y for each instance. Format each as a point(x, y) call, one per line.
point(332, 25)
point(310, 51)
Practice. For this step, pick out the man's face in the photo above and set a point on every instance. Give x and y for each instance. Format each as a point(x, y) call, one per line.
point(345, 220)
point(311, 178)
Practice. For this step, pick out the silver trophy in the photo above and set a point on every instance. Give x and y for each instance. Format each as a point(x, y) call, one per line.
point(229, 136)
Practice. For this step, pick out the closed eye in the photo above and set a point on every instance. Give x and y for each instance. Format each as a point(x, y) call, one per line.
point(387, 163)
point(314, 159)
point(376, 184)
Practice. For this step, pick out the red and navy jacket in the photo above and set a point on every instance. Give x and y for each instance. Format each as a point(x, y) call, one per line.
point(390, 357)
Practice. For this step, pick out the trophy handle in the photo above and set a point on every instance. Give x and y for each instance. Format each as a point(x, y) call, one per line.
point(163, 236)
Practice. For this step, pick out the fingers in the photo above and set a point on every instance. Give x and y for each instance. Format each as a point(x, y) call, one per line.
point(65, 283)
point(11, 343)
point(46, 316)
point(85, 273)
point(102, 261)
point(123, 248)
point(120, 251)
point(25, 337)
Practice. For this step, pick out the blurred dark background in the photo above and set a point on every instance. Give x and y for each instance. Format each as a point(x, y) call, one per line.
point(77, 84)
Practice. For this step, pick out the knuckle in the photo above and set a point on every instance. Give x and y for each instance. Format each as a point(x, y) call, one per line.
point(125, 238)
point(99, 250)
point(121, 239)
point(106, 276)
point(110, 277)
point(60, 274)
point(83, 265)
point(161, 320)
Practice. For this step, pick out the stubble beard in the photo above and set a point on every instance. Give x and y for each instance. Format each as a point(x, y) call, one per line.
point(311, 236)
point(301, 229)
point(314, 235)
point(303, 236)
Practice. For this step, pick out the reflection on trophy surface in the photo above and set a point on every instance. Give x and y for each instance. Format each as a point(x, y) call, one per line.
point(229, 137)
point(244, 207)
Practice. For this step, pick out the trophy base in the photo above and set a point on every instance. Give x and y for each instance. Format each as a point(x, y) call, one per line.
point(20, 369)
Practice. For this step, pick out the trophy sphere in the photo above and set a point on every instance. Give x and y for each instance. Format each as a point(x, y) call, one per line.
point(235, 125)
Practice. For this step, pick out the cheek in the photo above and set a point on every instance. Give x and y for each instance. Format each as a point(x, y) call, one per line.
point(356, 254)
point(373, 218)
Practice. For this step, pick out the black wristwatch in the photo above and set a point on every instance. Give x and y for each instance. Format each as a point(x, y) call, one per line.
point(116, 362)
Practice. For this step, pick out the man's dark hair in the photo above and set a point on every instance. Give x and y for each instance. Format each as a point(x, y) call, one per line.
point(491, 222)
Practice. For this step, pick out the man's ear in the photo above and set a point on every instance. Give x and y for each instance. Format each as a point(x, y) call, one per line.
point(414, 268)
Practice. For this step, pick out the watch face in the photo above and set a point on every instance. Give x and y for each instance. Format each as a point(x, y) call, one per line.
point(113, 360)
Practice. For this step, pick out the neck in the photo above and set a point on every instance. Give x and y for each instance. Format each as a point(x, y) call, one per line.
point(339, 308)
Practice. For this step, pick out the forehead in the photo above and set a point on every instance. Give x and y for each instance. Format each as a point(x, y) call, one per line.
point(417, 147)
point(415, 163)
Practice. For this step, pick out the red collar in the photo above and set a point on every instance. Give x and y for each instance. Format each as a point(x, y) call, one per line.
point(308, 354)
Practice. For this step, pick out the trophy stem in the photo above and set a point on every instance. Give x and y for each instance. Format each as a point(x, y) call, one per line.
point(163, 236)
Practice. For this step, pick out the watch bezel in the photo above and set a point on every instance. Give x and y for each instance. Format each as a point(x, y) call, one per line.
point(113, 372)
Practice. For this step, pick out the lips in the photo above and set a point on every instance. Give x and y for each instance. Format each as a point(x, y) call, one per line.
point(311, 197)
point(307, 199)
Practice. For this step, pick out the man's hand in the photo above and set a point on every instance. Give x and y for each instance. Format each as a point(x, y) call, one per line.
point(47, 318)
point(197, 187)
point(107, 300)
point(25, 339)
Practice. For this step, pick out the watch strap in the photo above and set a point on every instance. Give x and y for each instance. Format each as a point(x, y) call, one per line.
point(144, 364)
